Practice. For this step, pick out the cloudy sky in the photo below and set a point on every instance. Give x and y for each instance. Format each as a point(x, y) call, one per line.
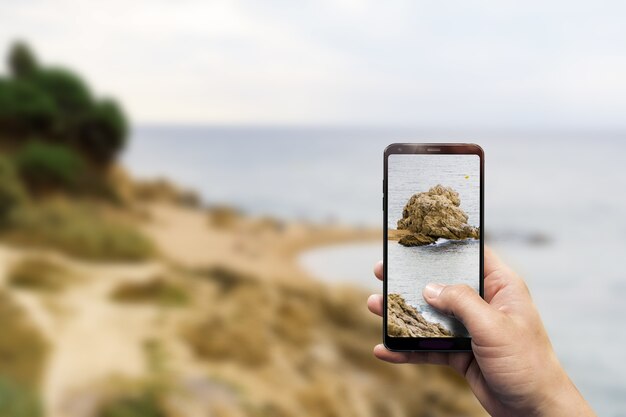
point(348, 62)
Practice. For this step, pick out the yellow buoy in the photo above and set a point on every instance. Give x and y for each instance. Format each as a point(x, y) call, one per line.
point(467, 177)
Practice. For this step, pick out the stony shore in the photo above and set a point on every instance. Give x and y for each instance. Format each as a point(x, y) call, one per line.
point(404, 320)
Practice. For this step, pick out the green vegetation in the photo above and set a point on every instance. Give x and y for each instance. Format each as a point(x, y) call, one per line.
point(59, 143)
point(24, 109)
point(12, 192)
point(47, 166)
point(57, 105)
point(156, 290)
point(140, 405)
point(17, 400)
point(145, 398)
point(41, 274)
point(79, 229)
point(22, 62)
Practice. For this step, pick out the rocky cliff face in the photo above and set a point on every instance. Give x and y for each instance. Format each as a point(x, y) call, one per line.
point(435, 214)
point(404, 320)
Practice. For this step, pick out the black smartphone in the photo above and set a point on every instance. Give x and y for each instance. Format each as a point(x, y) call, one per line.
point(433, 201)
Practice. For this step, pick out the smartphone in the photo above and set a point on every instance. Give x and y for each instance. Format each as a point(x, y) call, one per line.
point(433, 233)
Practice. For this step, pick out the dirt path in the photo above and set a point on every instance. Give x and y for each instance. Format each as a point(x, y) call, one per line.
point(257, 246)
point(91, 337)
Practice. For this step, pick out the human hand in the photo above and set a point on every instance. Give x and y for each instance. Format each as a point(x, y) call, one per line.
point(512, 369)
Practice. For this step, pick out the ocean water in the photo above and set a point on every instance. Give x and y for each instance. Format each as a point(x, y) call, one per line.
point(568, 187)
point(446, 262)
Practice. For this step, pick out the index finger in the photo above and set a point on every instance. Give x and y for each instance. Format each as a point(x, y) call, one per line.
point(492, 262)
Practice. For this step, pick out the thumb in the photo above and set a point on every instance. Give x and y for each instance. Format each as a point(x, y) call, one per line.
point(462, 302)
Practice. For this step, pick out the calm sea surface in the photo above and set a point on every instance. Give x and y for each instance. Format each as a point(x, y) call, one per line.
point(567, 188)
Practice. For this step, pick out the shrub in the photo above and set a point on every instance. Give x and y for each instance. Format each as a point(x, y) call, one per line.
point(102, 132)
point(66, 89)
point(156, 290)
point(24, 109)
point(46, 166)
point(141, 405)
point(77, 229)
point(38, 273)
point(12, 193)
point(22, 61)
point(57, 104)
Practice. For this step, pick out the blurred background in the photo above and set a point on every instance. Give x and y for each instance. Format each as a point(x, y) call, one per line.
point(190, 196)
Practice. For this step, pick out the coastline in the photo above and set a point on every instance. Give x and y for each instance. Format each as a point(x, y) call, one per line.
point(240, 279)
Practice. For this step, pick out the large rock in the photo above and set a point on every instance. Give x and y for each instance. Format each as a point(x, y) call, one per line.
point(404, 320)
point(435, 214)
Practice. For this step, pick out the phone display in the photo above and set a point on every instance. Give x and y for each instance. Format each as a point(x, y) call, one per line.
point(433, 204)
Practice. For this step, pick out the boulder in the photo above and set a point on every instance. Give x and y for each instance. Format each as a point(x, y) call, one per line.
point(404, 320)
point(435, 214)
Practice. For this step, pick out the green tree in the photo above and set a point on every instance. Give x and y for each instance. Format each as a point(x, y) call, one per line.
point(103, 131)
point(68, 91)
point(22, 61)
point(24, 109)
point(55, 104)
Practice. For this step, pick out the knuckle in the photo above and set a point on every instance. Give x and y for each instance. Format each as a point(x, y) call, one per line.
point(457, 293)
point(498, 276)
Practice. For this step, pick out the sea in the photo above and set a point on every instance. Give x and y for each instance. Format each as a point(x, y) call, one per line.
point(555, 209)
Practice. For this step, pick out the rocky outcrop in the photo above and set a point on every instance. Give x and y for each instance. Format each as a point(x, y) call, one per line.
point(435, 214)
point(404, 320)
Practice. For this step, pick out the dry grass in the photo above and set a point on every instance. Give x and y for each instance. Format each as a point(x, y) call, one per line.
point(223, 217)
point(158, 290)
point(23, 350)
point(40, 274)
point(311, 346)
point(78, 229)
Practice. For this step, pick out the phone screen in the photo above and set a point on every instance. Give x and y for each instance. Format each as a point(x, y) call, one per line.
point(433, 216)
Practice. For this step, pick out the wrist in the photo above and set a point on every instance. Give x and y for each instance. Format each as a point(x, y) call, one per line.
point(561, 397)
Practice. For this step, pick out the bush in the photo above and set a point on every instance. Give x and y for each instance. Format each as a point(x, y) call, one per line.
point(143, 405)
point(66, 89)
point(156, 290)
point(22, 61)
point(79, 230)
point(12, 193)
point(38, 273)
point(45, 166)
point(24, 109)
point(57, 104)
point(102, 132)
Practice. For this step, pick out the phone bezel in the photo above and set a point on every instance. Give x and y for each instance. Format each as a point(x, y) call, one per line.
point(440, 344)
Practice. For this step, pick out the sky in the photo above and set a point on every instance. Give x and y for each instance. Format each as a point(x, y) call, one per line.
point(530, 64)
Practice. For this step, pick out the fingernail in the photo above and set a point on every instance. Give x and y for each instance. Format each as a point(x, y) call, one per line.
point(432, 290)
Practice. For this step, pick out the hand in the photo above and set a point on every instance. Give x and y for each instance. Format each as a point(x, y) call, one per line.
point(512, 369)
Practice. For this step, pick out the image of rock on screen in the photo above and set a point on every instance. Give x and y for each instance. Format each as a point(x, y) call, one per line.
point(433, 222)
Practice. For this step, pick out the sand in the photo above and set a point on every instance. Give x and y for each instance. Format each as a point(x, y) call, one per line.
point(93, 338)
